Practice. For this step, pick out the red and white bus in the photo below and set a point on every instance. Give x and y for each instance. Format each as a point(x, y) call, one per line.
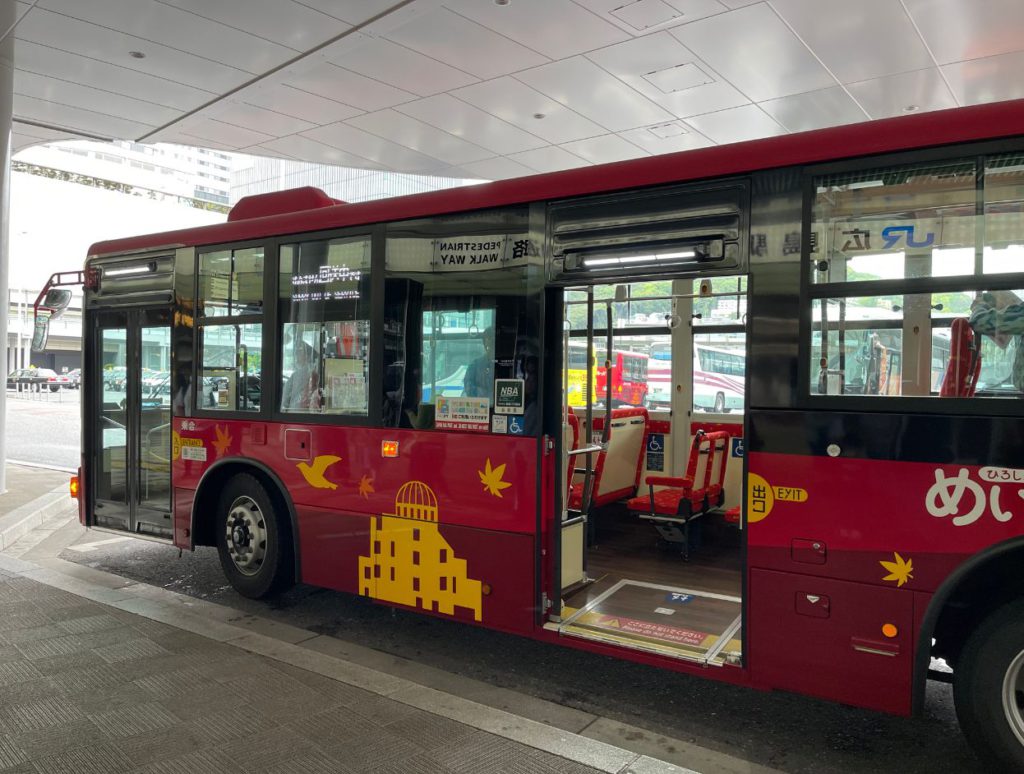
point(876, 532)
point(629, 378)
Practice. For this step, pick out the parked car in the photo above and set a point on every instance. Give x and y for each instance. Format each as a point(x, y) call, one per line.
point(34, 379)
point(74, 378)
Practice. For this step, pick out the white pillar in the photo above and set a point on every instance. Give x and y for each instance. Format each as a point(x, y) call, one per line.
point(6, 107)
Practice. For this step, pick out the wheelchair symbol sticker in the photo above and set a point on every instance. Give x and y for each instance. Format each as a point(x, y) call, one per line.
point(515, 425)
point(655, 442)
point(737, 447)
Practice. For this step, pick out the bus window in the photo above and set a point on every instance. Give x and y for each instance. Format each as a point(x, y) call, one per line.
point(325, 330)
point(901, 345)
point(461, 300)
point(230, 332)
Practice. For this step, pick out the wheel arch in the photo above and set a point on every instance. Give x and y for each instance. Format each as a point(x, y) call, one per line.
point(979, 586)
point(205, 502)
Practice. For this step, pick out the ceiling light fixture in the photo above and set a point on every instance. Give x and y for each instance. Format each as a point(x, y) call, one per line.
point(502, 2)
point(911, 109)
point(538, 116)
point(136, 55)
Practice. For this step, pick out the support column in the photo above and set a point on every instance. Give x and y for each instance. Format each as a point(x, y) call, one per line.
point(7, 15)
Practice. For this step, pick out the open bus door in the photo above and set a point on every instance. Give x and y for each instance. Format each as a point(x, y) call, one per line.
point(127, 396)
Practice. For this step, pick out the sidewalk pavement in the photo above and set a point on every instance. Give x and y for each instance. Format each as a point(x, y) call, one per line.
point(98, 674)
point(33, 495)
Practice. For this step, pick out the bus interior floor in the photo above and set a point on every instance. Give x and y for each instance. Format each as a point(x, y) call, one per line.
point(644, 595)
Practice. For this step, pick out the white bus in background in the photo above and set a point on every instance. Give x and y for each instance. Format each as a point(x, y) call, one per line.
point(718, 378)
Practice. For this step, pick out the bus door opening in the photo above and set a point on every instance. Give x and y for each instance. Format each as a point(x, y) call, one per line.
point(652, 390)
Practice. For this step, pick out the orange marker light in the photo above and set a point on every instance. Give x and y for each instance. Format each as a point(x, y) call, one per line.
point(485, 589)
point(890, 630)
point(389, 448)
point(74, 486)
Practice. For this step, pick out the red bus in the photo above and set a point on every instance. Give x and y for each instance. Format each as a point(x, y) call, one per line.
point(878, 535)
point(629, 379)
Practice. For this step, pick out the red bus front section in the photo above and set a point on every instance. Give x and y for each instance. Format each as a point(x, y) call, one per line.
point(445, 525)
point(844, 557)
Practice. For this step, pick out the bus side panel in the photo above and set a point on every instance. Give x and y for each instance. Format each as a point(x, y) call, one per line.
point(473, 575)
point(825, 638)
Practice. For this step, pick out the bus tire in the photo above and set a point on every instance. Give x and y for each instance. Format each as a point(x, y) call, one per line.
point(253, 541)
point(988, 688)
point(720, 403)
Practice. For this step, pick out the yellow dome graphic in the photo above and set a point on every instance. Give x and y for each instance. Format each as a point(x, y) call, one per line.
point(416, 500)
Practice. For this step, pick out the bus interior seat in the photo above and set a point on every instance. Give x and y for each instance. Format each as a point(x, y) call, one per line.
point(617, 472)
point(961, 377)
point(684, 498)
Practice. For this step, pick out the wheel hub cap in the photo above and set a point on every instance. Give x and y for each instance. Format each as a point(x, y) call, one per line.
point(1013, 696)
point(246, 536)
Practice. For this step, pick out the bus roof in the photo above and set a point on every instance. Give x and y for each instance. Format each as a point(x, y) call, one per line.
point(1002, 119)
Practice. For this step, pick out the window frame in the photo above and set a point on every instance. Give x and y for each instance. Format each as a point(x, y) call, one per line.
point(375, 233)
point(201, 322)
point(812, 292)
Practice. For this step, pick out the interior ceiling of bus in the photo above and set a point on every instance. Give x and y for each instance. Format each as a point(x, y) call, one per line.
point(495, 89)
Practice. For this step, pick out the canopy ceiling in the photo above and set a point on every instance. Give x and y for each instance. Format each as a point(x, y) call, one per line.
point(496, 88)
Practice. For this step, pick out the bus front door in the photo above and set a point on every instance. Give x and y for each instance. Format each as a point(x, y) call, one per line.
point(128, 423)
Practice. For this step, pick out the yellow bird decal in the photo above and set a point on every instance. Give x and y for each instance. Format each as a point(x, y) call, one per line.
point(314, 474)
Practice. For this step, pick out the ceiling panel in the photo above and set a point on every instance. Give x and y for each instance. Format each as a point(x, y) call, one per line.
point(226, 134)
point(891, 96)
point(25, 135)
point(106, 45)
point(300, 147)
point(376, 149)
point(76, 95)
point(89, 121)
point(517, 103)
point(159, 23)
point(605, 149)
point(295, 102)
point(267, 121)
point(837, 30)
point(419, 136)
point(968, 29)
point(55, 63)
point(401, 67)
point(639, 62)
point(756, 52)
point(343, 85)
point(555, 28)
point(736, 124)
point(496, 169)
point(455, 40)
point(463, 120)
point(991, 79)
point(581, 85)
point(815, 110)
point(640, 17)
point(289, 23)
point(549, 159)
point(667, 138)
point(352, 11)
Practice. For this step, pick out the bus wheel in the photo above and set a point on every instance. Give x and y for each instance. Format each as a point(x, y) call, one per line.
point(720, 403)
point(252, 545)
point(988, 687)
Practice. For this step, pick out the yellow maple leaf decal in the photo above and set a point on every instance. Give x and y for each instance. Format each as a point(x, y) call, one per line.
point(366, 486)
point(900, 570)
point(491, 478)
point(223, 440)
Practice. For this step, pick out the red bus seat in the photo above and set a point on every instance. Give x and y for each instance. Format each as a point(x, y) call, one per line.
point(961, 377)
point(617, 472)
point(684, 498)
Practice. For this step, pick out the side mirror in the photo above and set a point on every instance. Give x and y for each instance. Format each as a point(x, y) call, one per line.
point(40, 330)
point(52, 306)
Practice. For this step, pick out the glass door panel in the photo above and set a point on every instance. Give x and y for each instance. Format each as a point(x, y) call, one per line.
point(155, 419)
point(112, 427)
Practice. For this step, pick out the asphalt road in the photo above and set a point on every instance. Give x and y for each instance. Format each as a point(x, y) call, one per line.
point(790, 733)
point(44, 428)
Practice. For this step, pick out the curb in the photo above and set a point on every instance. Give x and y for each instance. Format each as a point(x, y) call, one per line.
point(21, 521)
